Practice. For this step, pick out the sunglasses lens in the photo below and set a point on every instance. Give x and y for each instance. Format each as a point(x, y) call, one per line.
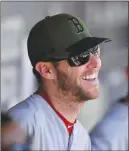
point(84, 60)
point(84, 57)
point(78, 60)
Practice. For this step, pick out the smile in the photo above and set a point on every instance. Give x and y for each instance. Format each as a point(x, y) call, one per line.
point(90, 77)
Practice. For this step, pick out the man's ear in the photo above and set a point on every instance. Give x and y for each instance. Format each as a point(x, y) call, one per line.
point(45, 70)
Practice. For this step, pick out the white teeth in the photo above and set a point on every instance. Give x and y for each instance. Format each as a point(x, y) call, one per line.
point(89, 77)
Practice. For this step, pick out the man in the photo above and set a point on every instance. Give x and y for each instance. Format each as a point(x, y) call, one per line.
point(66, 62)
point(12, 135)
point(112, 132)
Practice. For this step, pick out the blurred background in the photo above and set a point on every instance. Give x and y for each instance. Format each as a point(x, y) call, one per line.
point(104, 19)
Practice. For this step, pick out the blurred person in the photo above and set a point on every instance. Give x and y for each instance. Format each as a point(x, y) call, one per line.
point(66, 62)
point(12, 135)
point(112, 132)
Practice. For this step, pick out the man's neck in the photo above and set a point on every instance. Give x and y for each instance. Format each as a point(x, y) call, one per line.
point(65, 104)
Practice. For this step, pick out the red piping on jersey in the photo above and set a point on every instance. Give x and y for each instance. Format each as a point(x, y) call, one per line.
point(68, 124)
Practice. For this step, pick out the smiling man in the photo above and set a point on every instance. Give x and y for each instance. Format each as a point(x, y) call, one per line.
point(66, 62)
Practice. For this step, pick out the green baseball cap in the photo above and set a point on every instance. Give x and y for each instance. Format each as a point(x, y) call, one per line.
point(57, 37)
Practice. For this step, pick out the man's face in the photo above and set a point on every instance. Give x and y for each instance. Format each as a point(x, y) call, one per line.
point(80, 81)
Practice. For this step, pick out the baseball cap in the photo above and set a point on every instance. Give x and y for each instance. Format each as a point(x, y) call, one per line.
point(57, 37)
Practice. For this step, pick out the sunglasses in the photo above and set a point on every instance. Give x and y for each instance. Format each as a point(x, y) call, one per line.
point(84, 57)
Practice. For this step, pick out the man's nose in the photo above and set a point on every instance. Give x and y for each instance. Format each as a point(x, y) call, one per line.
point(94, 62)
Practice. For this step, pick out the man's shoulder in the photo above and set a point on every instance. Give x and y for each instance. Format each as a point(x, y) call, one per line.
point(24, 110)
point(83, 133)
point(81, 126)
point(82, 130)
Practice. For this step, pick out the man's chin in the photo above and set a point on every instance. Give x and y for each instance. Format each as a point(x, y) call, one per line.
point(93, 94)
point(89, 96)
point(94, 97)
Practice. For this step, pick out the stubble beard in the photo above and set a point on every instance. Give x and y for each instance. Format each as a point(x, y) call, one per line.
point(68, 87)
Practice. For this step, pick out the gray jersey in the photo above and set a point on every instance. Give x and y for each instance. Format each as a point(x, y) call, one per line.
point(112, 132)
point(47, 130)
